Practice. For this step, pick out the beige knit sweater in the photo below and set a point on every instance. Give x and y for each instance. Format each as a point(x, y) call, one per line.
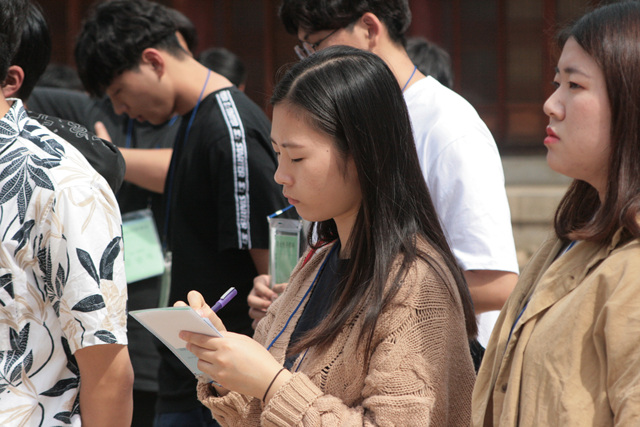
point(420, 371)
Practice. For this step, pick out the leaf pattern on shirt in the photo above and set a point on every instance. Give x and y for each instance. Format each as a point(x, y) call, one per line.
point(14, 362)
point(6, 287)
point(22, 236)
point(62, 285)
point(53, 284)
point(21, 170)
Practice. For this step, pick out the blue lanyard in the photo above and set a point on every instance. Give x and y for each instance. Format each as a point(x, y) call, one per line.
point(304, 297)
point(415, 68)
point(178, 144)
point(280, 212)
point(127, 143)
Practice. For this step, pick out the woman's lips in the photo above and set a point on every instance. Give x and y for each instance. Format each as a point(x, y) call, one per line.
point(551, 137)
point(290, 200)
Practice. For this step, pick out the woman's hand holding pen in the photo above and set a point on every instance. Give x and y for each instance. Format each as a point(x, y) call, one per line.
point(197, 302)
point(235, 361)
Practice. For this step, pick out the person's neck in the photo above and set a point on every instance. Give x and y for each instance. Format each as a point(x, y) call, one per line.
point(400, 64)
point(4, 106)
point(345, 225)
point(190, 77)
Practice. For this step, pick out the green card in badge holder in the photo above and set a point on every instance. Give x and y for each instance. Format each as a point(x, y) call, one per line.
point(284, 248)
point(142, 250)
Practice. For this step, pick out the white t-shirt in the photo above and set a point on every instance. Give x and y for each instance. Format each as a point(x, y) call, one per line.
point(462, 168)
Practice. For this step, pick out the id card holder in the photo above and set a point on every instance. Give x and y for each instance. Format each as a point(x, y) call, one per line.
point(142, 250)
point(165, 286)
point(285, 236)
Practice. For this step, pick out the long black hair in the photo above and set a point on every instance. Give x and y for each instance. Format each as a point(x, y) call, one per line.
point(352, 96)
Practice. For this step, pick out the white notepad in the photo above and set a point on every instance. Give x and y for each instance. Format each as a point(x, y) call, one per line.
point(166, 324)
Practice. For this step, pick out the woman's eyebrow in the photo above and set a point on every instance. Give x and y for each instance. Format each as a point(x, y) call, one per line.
point(572, 70)
point(288, 144)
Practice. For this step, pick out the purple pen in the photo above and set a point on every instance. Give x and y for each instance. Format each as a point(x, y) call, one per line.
point(224, 299)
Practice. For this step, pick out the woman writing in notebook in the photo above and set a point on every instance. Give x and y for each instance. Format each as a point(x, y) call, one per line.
point(373, 327)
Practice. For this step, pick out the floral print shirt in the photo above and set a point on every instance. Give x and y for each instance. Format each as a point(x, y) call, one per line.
point(62, 281)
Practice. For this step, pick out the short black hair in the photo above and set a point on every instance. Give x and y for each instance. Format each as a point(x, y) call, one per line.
point(12, 15)
point(114, 36)
point(224, 62)
point(34, 52)
point(186, 28)
point(431, 60)
point(317, 15)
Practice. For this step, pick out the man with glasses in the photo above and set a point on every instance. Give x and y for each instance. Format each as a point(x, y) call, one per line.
point(305, 49)
point(458, 155)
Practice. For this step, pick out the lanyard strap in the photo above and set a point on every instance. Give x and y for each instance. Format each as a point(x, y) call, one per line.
point(127, 143)
point(410, 77)
point(174, 160)
point(304, 297)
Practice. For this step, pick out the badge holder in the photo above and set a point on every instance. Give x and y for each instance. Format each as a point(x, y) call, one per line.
point(285, 247)
point(142, 250)
point(165, 286)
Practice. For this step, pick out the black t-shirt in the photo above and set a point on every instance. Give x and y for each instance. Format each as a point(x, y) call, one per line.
point(320, 300)
point(222, 190)
point(102, 155)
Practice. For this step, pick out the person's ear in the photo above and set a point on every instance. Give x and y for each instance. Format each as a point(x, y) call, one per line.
point(13, 82)
point(154, 58)
point(374, 28)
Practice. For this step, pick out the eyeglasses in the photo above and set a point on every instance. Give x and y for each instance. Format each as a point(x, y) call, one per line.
point(307, 49)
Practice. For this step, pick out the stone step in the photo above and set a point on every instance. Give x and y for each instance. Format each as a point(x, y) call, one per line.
point(534, 191)
point(530, 170)
point(532, 210)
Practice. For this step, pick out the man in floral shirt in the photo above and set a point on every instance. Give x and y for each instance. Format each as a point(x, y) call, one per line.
point(63, 354)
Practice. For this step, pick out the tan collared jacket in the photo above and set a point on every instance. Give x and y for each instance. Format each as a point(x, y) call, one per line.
point(573, 358)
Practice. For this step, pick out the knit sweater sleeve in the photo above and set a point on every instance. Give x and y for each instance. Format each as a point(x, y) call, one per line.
point(235, 409)
point(420, 371)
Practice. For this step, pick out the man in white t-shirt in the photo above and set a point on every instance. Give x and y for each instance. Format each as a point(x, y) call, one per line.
point(457, 153)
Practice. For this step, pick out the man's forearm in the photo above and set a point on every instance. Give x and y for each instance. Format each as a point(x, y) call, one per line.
point(489, 288)
point(147, 168)
point(106, 385)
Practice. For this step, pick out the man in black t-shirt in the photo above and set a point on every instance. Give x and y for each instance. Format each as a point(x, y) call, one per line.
point(220, 186)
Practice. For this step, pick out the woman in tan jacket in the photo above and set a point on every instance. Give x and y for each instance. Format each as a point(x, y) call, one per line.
point(566, 348)
point(373, 328)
